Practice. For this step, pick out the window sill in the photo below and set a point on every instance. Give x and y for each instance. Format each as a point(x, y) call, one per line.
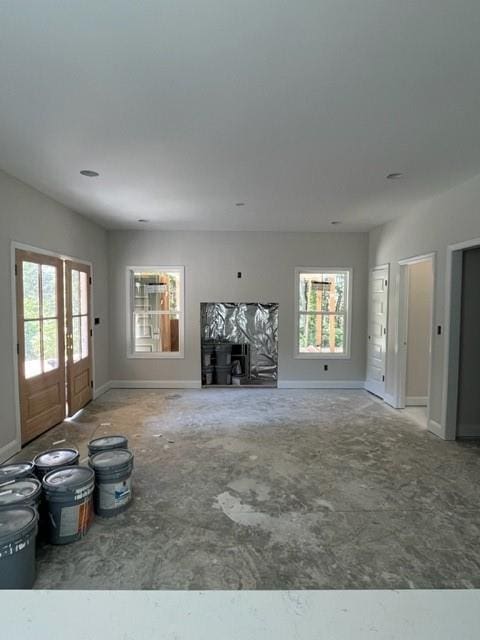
point(156, 356)
point(322, 356)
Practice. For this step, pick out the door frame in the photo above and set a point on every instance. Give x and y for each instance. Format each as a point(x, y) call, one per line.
point(16, 446)
point(370, 271)
point(453, 315)
point(402, 330)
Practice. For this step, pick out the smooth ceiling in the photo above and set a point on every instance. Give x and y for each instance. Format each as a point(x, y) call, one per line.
point(299, 109)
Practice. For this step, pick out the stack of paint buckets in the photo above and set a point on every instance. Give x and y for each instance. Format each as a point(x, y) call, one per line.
point(64, 509)
point(19, 495)
point(223, 363)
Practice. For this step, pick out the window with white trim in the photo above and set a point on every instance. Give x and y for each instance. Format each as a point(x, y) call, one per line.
point(156, 314)
point(323, 304)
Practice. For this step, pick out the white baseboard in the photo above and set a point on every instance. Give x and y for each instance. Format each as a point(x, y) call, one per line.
point(375, 388)
point(98, 391)
point(437, 429)
point(321, 384)
point(416, 401)
point(390, 400)
point(155, 384)
point(9, 450)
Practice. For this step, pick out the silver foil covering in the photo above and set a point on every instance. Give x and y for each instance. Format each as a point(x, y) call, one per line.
point(246, 323)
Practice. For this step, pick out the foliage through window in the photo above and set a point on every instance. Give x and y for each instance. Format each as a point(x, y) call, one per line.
point(40, 318)
point(323, 312)
point(156, 311)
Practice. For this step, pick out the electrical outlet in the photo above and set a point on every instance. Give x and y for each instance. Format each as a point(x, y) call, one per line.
point(325, 367)
point(239, 274)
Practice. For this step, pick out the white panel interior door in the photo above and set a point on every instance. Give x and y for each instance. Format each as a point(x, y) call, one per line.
point(377, 331)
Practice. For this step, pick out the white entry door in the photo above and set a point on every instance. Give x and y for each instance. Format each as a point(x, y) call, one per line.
point(377, 331)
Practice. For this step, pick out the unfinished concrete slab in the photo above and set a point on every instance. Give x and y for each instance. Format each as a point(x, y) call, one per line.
point(273, 489)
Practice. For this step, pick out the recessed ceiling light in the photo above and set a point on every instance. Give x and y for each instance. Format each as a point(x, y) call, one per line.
point(335, 222)
point(394, 176)
point(142, 220)
point(89, 173)
point(239, 204)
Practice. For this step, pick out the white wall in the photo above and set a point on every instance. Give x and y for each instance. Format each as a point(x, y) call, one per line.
point(267, 261)
point(29, 217)
point(430, 226)
point(420, 298)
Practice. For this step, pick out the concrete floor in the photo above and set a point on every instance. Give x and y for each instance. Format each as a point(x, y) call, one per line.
point(274, 489)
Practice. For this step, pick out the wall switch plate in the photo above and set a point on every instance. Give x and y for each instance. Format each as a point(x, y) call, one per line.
point(325, 367)
point(239, 274)
point(439, 330)
point(97, 320)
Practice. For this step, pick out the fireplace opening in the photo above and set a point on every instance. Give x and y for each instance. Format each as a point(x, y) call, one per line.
point(239, 344)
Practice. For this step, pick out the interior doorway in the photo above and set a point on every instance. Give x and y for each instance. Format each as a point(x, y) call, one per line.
point(54, 334)
point(461, 411)
point(417, 284)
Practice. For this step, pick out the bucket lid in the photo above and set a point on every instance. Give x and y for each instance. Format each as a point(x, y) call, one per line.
point(67, 478)
point(112, 459)
point(15, 470)
point(55, 457)
point(107, 442)
point(14, 521)
point(17, 490)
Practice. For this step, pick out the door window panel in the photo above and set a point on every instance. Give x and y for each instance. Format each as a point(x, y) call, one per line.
point(31, 295)
point(33, 340)
point(49, 291)
point(84, 334)
point(80, 324)
point(50, 344)
point(75, 292)
point(83, 293)
point(76, 339)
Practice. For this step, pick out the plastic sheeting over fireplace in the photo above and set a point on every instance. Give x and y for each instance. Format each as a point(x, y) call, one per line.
point(252, 330)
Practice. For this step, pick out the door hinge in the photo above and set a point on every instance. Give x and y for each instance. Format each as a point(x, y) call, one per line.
point(383, 378)
point(386, 283)
point(91, 383)
point(91, 332)
point(16, 270)
point(18, 349)
point(90, 280)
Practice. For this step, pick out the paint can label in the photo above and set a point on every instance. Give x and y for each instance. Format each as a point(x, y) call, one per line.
point(77, 519)
point(115, 494)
